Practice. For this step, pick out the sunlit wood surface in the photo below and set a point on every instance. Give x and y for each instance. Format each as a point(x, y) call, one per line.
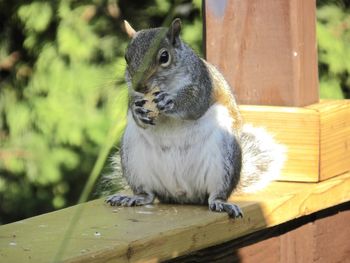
point(158, 232)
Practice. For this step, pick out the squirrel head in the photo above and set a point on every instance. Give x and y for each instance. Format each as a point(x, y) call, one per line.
point(152, 55)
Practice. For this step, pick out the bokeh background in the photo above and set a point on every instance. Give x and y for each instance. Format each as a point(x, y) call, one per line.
point(63, 97)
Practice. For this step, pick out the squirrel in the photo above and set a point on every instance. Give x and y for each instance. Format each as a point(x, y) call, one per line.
point(191, 146)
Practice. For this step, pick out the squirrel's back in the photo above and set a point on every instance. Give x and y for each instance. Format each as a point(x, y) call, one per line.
point(262, 156)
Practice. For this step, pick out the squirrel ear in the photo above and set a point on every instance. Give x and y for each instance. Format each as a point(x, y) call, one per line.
point(129, 30)
point(174, 31)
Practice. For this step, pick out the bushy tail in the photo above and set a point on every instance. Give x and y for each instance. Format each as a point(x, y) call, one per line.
point(262, 159)
point(111, 180)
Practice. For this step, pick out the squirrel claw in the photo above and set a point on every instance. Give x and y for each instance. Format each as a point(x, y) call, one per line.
point(141, 114)
point(164, 101)
point(142, 111)
point(140, 103)
point(115, 200)
point(159, 96)
point(147, 120)
point(155, 93)
point(169, 103)
point(234, 211)
point(124, 200)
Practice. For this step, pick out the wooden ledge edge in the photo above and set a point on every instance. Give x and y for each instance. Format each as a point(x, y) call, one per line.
point(317, 137)
point(160, 232)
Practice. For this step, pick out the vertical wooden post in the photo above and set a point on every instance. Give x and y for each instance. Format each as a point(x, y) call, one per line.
point(266, 49)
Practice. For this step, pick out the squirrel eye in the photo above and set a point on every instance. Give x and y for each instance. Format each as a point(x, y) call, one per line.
point(164, 58)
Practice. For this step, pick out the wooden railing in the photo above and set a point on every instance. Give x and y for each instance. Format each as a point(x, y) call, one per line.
point(160, 232)
point(267, 50)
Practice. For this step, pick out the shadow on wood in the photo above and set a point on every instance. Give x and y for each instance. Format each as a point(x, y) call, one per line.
point(161, 232)
point(305, 240)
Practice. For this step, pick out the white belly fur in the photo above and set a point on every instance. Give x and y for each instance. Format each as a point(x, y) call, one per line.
point(182, 160)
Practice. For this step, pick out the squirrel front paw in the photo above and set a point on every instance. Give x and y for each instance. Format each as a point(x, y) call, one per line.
point(164, 101)
point(141, 114)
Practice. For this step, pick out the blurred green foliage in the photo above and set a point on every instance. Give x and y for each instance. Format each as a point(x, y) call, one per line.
point(62, 90)
point(333, 35)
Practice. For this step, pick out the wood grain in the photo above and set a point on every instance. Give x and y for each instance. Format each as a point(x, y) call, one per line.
point(320, 237)
point(264, 252)
point(159, 232)
point(297, 245)
point(332, 235)
point(317, 137)
point(295, 128)
point(266, 49)
point(334, 137)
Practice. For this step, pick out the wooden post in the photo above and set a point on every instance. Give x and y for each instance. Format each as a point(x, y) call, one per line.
point(266, 49)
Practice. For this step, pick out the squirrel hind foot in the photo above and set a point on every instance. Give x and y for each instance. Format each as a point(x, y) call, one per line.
point(124, 200)
point(234, 211)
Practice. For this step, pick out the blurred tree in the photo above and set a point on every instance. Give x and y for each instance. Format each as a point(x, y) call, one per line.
point(333, 35)
point(62, 89)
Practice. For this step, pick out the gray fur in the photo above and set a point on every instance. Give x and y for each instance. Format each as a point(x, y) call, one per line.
point(186, 106)
point(191, 100)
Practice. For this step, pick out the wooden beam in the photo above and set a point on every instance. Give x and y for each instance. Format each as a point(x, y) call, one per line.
point(158, 232)
point(334, 137)
point(298, 129)
point(266, 49)
point(317, 137)
point(309, 239)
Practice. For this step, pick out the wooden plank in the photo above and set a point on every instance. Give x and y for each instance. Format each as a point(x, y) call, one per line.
point(262, 252)
point(323, 240)
point(317, 137)
point(334, 137)
point(332, 235)
point(313, 238)
point(266, 49)
point(238, 250)
point(160, 232)
point(297, 245)
point(297, 129)
point(285, 195)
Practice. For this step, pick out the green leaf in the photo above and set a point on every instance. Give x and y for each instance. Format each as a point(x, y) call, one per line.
point(18, 117)
point(330, 88)
point(36, 16)
point(76, 40)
